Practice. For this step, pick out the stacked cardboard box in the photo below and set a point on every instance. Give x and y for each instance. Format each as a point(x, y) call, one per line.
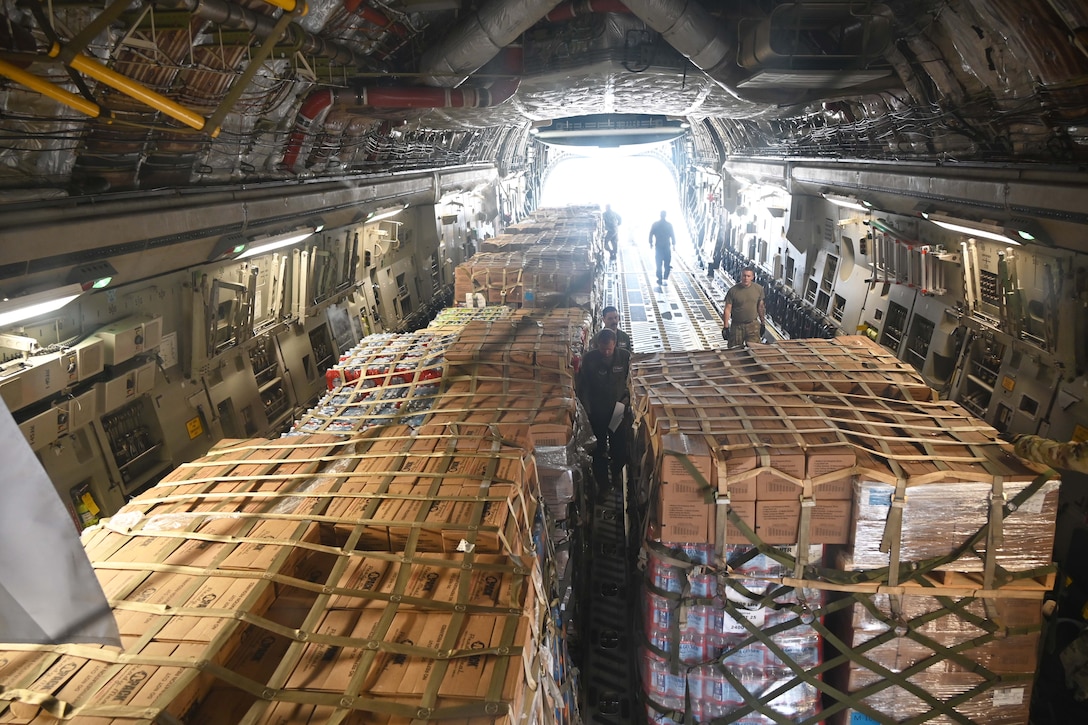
point(546, 261)
point(315, 577)
point(938, 517)
point(538, 347)
point(177, 564)
point(526, 278)
point(548, 409)
point(521, 369)
point(836, 442)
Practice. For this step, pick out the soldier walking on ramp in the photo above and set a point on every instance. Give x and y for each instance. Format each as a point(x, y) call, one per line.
point(662, 239)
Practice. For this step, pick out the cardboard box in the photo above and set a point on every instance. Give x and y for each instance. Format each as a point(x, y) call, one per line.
point(683, 513)
point(681, 451)
point(551, 434)
point(825, 456)
point(773, 454)
point(268, 556)
point(143, 685)
point(777, 522)
point(156, 588)
point(402, 674)
point(217, 593)
point(746, 510)
point(18, 667)
point(490, 526)
point(362, 575)
point(67, 679)
point(329, 668)
point(472, 677)
point(201, 553)
point(437, 579)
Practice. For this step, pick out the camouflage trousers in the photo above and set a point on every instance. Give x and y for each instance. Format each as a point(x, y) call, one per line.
point(1070, 456)
point(743, 333)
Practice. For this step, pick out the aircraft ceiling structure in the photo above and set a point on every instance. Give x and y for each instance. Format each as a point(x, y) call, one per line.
point(133, 125)
point(190, 93)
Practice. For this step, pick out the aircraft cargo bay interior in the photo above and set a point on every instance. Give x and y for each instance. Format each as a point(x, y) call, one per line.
point(533, 362)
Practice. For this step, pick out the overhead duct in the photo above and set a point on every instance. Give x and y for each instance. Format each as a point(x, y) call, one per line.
point(689, 28)
point(229, 15)
point(479, 38)
point(374, 16)
point(319, 102)
point(692, 31)
point(574, 8)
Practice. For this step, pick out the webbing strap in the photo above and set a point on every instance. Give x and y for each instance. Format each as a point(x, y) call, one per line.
point(995, 538)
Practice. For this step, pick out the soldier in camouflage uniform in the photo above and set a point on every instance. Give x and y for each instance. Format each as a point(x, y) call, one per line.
point(1070, 456)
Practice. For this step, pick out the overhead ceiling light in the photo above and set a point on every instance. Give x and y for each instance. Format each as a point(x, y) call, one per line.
point(95, 275)
point(612, 130)
point(267, 244)
point(384, 213)
point(40, 303)
point(846, 202)
point(1029, 230)
point(973, 229)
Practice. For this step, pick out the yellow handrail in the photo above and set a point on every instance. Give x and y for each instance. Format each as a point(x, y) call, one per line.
point(131, 88)
point(289, 5)
point(51, 90)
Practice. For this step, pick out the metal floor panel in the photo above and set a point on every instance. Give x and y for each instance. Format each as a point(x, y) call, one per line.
point(683, 314)
point(609, 678)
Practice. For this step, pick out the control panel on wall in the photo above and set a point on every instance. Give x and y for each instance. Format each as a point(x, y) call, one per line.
point(135, 442)
point(270, 383)
point(324, 353)
point(126, 338)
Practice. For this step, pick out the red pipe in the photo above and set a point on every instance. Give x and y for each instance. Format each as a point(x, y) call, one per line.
point(574, 8)
point(392, 97)
point(314, 105)
point(428, 97)
point(372, 15)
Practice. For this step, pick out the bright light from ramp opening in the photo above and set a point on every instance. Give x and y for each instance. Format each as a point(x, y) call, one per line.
point(638, 187)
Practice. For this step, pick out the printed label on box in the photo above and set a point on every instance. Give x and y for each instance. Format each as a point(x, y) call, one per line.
point(857, 718)
point(880, 498)
point(1034, 505)
point(758, 617)
point(1008, 696)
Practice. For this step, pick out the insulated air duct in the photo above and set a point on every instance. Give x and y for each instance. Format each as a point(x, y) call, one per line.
point(374, 16)
point(802, 76)
point(319, 102)
point(574, 8)
point(479, 38)
point(229, 15)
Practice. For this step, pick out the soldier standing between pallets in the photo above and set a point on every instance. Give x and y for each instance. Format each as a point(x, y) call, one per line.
point(602, 388)
point(745, 314)
point(612, 222)
point(610, 316)
point(662, 239)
